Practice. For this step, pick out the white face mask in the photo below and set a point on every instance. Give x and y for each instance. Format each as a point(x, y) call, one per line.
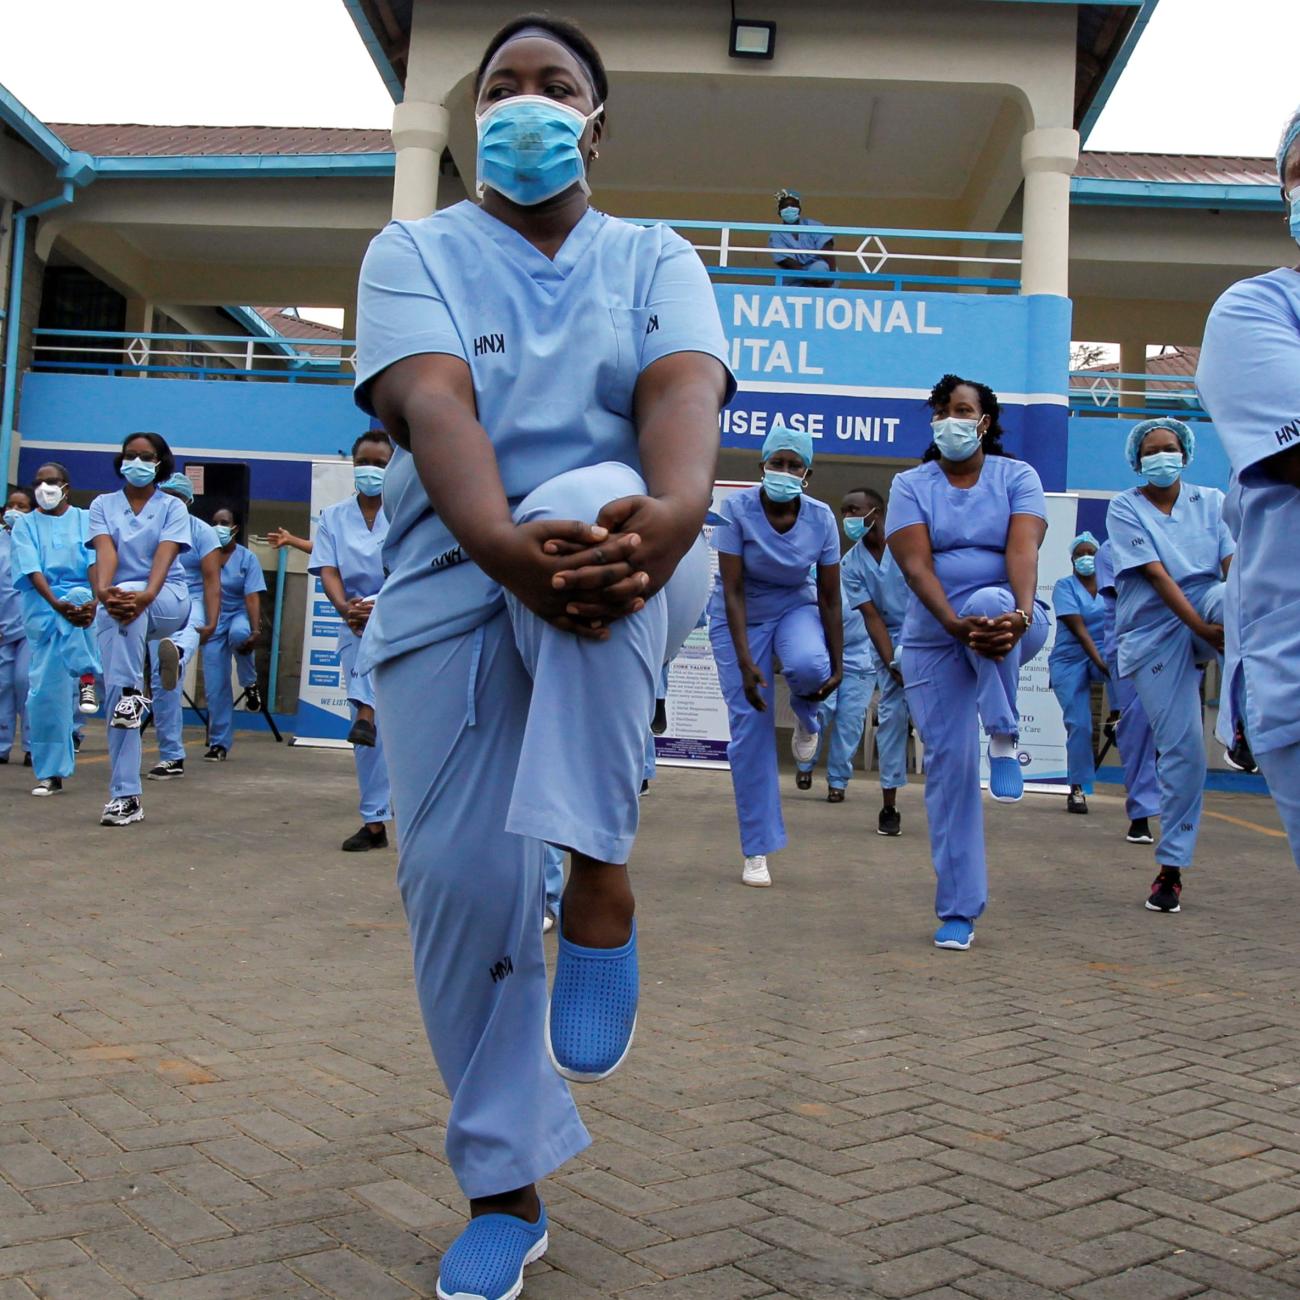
point(49, 495)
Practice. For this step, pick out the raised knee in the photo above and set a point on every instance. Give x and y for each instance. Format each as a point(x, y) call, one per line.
point(580, 493)
point(988, 602)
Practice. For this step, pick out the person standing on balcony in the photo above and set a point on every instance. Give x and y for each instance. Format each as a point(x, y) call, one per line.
point(237, 633)
point(138, 536)
point(965, 527)
point(1247, 378)
point(14, 648)
point(553, 378)
point(51, 568)
point(777, 595)
point(1076, 662)
point(1172, 551)
point(202, 565)
point(348, 559)
point(803, 246)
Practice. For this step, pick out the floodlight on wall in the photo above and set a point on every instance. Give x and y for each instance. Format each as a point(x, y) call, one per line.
point(752, 40)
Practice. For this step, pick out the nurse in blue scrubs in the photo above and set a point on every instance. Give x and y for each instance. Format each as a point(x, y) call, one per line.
point(875, 586)
point(202, 565)
point(1076, 662)
point(1247, 379)
point(1133, 738)
point(138, 536)
point(51, 568)
point(965, 527)
point(777, 595)
point(236, 636)
point(14, 650)
point(1172, 550)
point(553, 378)
point(347, 556)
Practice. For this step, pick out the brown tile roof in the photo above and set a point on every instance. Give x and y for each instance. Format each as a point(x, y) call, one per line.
point(1184, 169)
point(291, 326)
point(1172, 361)
point(130, 140)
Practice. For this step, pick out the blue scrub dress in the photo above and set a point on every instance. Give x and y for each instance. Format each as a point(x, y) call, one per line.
point(782, 618)
point(1071, 674)
point(503, 733)
point(344, 541)
point(1133, 738)
point(14, 652)
point(136, 538)
point(55, 546)
point(241, 575)
point(1250, 358)
point(950, 689)
point(802, 243)
point(1157, 652)
point(168, 706)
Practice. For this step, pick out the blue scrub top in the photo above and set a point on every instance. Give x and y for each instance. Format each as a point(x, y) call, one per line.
point(241, 576)
point(882, 583)
point(968, 530)
point(779, 568)
point(859, 654)
point(203, 541)
point(345, 542)
point(137, 536)
point(1191, 542)
point(54, 546)
point(1106, 590)
point(800, 243)
point(554, 348)
point(1070, 596)
point(11, 618)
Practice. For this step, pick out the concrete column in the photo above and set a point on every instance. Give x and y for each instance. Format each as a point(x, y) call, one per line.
point(1132, 361)
point(1048, 156)
point(139, 320)
point(420, 131)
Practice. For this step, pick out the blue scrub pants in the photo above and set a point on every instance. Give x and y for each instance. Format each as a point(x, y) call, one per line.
point(843, 717)
point(122, 650)
point(60, 655)
point(14, 672)
point(798, 640)
point(891, 728)
point(531, 737)
point(168, 706)
point(1169, 686)
point(1281, 769)
point(951, 691)
point(1071, 683)
point(1137, 749)
point(372, 770)
point(231, 631)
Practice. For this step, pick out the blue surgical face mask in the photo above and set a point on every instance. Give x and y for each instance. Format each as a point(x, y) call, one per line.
point(225, 534)
point(528, 148)
point(1295, 213)
point(369, 479)
point(11, 518)
point(789, 215)
point(782, 487)
point(1085, 566)
point(956, 439)
point(854, 527)
point(1162, 468)
point(139, 473)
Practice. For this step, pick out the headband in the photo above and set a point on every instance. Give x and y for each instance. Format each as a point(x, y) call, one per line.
point(548, 35)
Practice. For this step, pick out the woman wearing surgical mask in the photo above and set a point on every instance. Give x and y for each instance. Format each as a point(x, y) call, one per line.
point(137, 535)
point(777, 595)
point(553, 379)
point(14, 649)
point(1171, 551)
point(1247, 379)
point(236, 635)
point(965, 527)
point(1076, 662)
point(51, 567)
point(347, 556)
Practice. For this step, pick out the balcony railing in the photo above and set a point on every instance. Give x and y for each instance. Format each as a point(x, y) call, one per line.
point(1134, 396)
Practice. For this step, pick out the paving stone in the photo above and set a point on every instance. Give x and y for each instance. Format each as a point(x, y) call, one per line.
point(28, 1164)
point(922, 1271)
point(1146, 1283)
point(80, 1282)
point(176, 1219)
point(136, 1256)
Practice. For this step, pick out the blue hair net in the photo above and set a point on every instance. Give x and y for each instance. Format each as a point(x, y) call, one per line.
point(180, 484)
point(1083, 537)
point(783, 438)
point(1289, 136)
point(1140, 431)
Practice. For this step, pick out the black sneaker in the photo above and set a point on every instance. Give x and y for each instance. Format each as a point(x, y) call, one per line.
point(77, 738)
point(1076, 803)
point(1166, 891)
point(87, 700)
point(1139, 831)
point(659, 723)
point(27, 759)
point(366, 839)
point(1239, 757)
point(168, 770)
point(253, 700)
point(215, 754)
point(122, 811)
point(362, 733)
point(645, 787)
point(48, 785)
point(890, 823)
point(834, 794)
point(129, 712)
point(803, 780)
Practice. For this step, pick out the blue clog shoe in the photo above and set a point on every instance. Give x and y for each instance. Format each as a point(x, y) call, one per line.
point(487, 1260)
point(1006, 781)
point(957, 933)
point(593, 1009)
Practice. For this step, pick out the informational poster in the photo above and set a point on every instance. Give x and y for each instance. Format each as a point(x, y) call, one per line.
point(323, 717)
point(698, 731)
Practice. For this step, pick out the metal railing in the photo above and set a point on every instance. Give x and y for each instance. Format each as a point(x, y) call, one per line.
point(1134, 396)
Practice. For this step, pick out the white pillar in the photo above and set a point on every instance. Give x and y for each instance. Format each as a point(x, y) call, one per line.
point(1132, 361)
point(1049, 156)
point(420, 134)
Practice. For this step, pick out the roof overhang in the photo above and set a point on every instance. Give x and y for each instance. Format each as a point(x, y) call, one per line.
point(1092, 191)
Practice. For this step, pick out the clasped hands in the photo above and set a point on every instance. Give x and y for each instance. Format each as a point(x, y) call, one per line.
point(993, 638)
point(125, 606)
point(77, 615)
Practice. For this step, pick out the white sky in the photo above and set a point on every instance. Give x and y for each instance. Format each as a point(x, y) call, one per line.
point(1210, 76)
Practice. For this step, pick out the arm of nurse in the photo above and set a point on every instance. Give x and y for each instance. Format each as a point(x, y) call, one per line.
point(829, 598)
point(731, 570)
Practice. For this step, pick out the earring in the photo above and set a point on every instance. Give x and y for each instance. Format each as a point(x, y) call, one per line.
point(595, 153)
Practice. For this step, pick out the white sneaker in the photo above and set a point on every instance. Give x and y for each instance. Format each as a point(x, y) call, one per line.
point(756, 872)
point(129, 712)
point(803, 744)
point(122, 811)
point(548, 923)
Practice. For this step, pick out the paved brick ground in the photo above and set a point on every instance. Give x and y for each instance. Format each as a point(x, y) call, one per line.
point(213, 1082)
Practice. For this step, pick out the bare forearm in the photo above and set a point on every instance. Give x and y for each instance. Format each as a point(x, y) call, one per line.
point(832, 617)
point(878, 633)
point(163, 558)
point(1172, 594)
point(104, 570)
point(734, 599)
point(1022, 573)
point(42, 588)
point(332, 581)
